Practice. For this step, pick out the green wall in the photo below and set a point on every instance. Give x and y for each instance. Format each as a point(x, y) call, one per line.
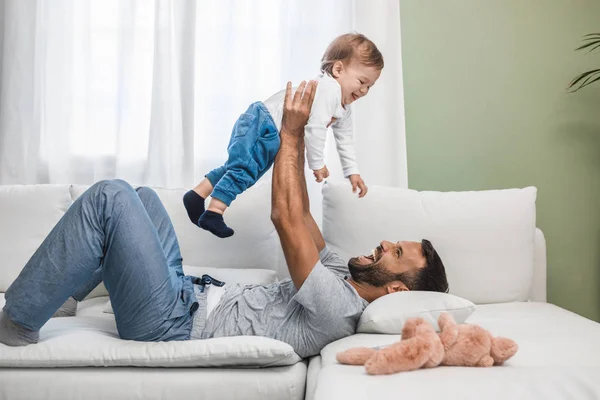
point(486, 107)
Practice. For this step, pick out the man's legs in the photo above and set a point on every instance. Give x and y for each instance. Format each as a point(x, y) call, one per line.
point(166, 234)
point(106, 226)
point(164, 228)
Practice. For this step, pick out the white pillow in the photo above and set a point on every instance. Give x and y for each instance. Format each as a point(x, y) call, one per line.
point(27, 215)
point(388, 313)
point(485, 238)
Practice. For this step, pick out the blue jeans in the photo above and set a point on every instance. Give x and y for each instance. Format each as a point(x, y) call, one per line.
point(124, 237)
point(252, 149)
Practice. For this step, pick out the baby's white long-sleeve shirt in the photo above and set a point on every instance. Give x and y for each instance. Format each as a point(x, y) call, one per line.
point(327, 110)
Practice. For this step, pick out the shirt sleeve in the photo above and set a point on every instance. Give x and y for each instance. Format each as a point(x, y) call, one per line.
point(333, 262)
point(327, 99)
point(327, 297)
point(344, 141)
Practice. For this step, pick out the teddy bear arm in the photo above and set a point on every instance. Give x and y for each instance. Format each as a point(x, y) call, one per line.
point(485, 361)
point(502, 349)
point(406, 355)
point(356, 356)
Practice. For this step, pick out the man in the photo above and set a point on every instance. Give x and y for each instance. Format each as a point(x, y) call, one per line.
point(127, 236)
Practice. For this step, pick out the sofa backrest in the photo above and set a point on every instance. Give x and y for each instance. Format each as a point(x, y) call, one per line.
point(487, 239)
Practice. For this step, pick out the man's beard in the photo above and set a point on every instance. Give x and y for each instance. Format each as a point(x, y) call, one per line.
point(373, 274)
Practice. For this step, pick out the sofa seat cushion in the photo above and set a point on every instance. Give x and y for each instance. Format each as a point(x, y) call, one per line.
point(91, 340)
point(557, 359)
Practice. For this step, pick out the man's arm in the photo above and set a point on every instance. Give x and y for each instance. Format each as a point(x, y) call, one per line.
point(312, 226)
point(287, 199)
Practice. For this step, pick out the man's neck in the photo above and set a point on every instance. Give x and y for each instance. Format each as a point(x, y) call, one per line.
point(365, 291)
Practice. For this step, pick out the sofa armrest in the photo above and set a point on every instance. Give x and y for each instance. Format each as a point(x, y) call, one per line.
point(538, 284)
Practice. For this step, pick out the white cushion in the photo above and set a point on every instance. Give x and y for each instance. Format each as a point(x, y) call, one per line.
point(388, 313)
point(94, 342)
point(485, 238)
point(27, 214)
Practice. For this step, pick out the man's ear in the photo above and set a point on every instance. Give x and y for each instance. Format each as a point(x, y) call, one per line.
point(396, 286)
point(337, 69)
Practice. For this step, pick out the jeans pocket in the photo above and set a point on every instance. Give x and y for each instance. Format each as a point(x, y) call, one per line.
point(185, 301)
point(243, 124)
point(266, 149)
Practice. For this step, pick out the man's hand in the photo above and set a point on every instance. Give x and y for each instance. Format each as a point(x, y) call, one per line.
point(296, 108)
point(357, 182)
point(321, 174)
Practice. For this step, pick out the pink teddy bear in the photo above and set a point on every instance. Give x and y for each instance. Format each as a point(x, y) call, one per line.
point(421, 347)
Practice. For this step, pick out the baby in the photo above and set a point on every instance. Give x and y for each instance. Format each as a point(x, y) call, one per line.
point(349, 68)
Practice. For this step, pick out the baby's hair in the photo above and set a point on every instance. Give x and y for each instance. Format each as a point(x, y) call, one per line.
point(349, 47)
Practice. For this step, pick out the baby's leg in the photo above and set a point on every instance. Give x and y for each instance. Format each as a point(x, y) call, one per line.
point(205, 188)
point(212, 219)
point(193, 200)
point(252, 149)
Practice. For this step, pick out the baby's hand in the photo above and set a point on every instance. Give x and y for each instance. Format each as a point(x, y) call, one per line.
point(321, 174)
point(357, 181)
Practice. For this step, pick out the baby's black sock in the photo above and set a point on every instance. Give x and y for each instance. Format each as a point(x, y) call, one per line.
point(213, 222)
point(194, 204)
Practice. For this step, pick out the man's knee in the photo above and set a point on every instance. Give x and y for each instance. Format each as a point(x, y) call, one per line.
point(111, 188)
point(112, 184)
point(145, 193)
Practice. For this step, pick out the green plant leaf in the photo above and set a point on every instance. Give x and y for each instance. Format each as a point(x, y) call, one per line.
point(595, 47)
point(583, 76)
point(585, 79)
point(591, 34)
point(586, 83)
point(596, 41)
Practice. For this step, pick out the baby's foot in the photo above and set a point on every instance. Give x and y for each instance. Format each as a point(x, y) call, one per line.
point(12, 334)
point(214, 223)
point(194, 204)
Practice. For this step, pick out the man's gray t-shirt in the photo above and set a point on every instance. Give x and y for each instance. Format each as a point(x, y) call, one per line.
point(326, 308)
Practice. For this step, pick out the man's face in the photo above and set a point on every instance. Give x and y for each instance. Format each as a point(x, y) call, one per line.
point(387, 262)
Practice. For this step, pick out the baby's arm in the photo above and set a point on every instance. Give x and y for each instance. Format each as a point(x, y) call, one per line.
point(326, 101)
point(344, 141)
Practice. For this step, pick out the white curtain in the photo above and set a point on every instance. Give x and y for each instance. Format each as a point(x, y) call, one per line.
point(148, 90)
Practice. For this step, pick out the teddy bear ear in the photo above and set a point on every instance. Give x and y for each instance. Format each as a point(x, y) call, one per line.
point(410, 327)
point(445, 320)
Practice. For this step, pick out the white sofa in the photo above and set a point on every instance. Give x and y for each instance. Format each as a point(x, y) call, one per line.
point(493, 253)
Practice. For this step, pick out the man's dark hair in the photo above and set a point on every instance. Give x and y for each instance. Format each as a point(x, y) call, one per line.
point(432, 277)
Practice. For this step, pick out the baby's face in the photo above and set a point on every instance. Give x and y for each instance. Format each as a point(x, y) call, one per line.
point(355, 79)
